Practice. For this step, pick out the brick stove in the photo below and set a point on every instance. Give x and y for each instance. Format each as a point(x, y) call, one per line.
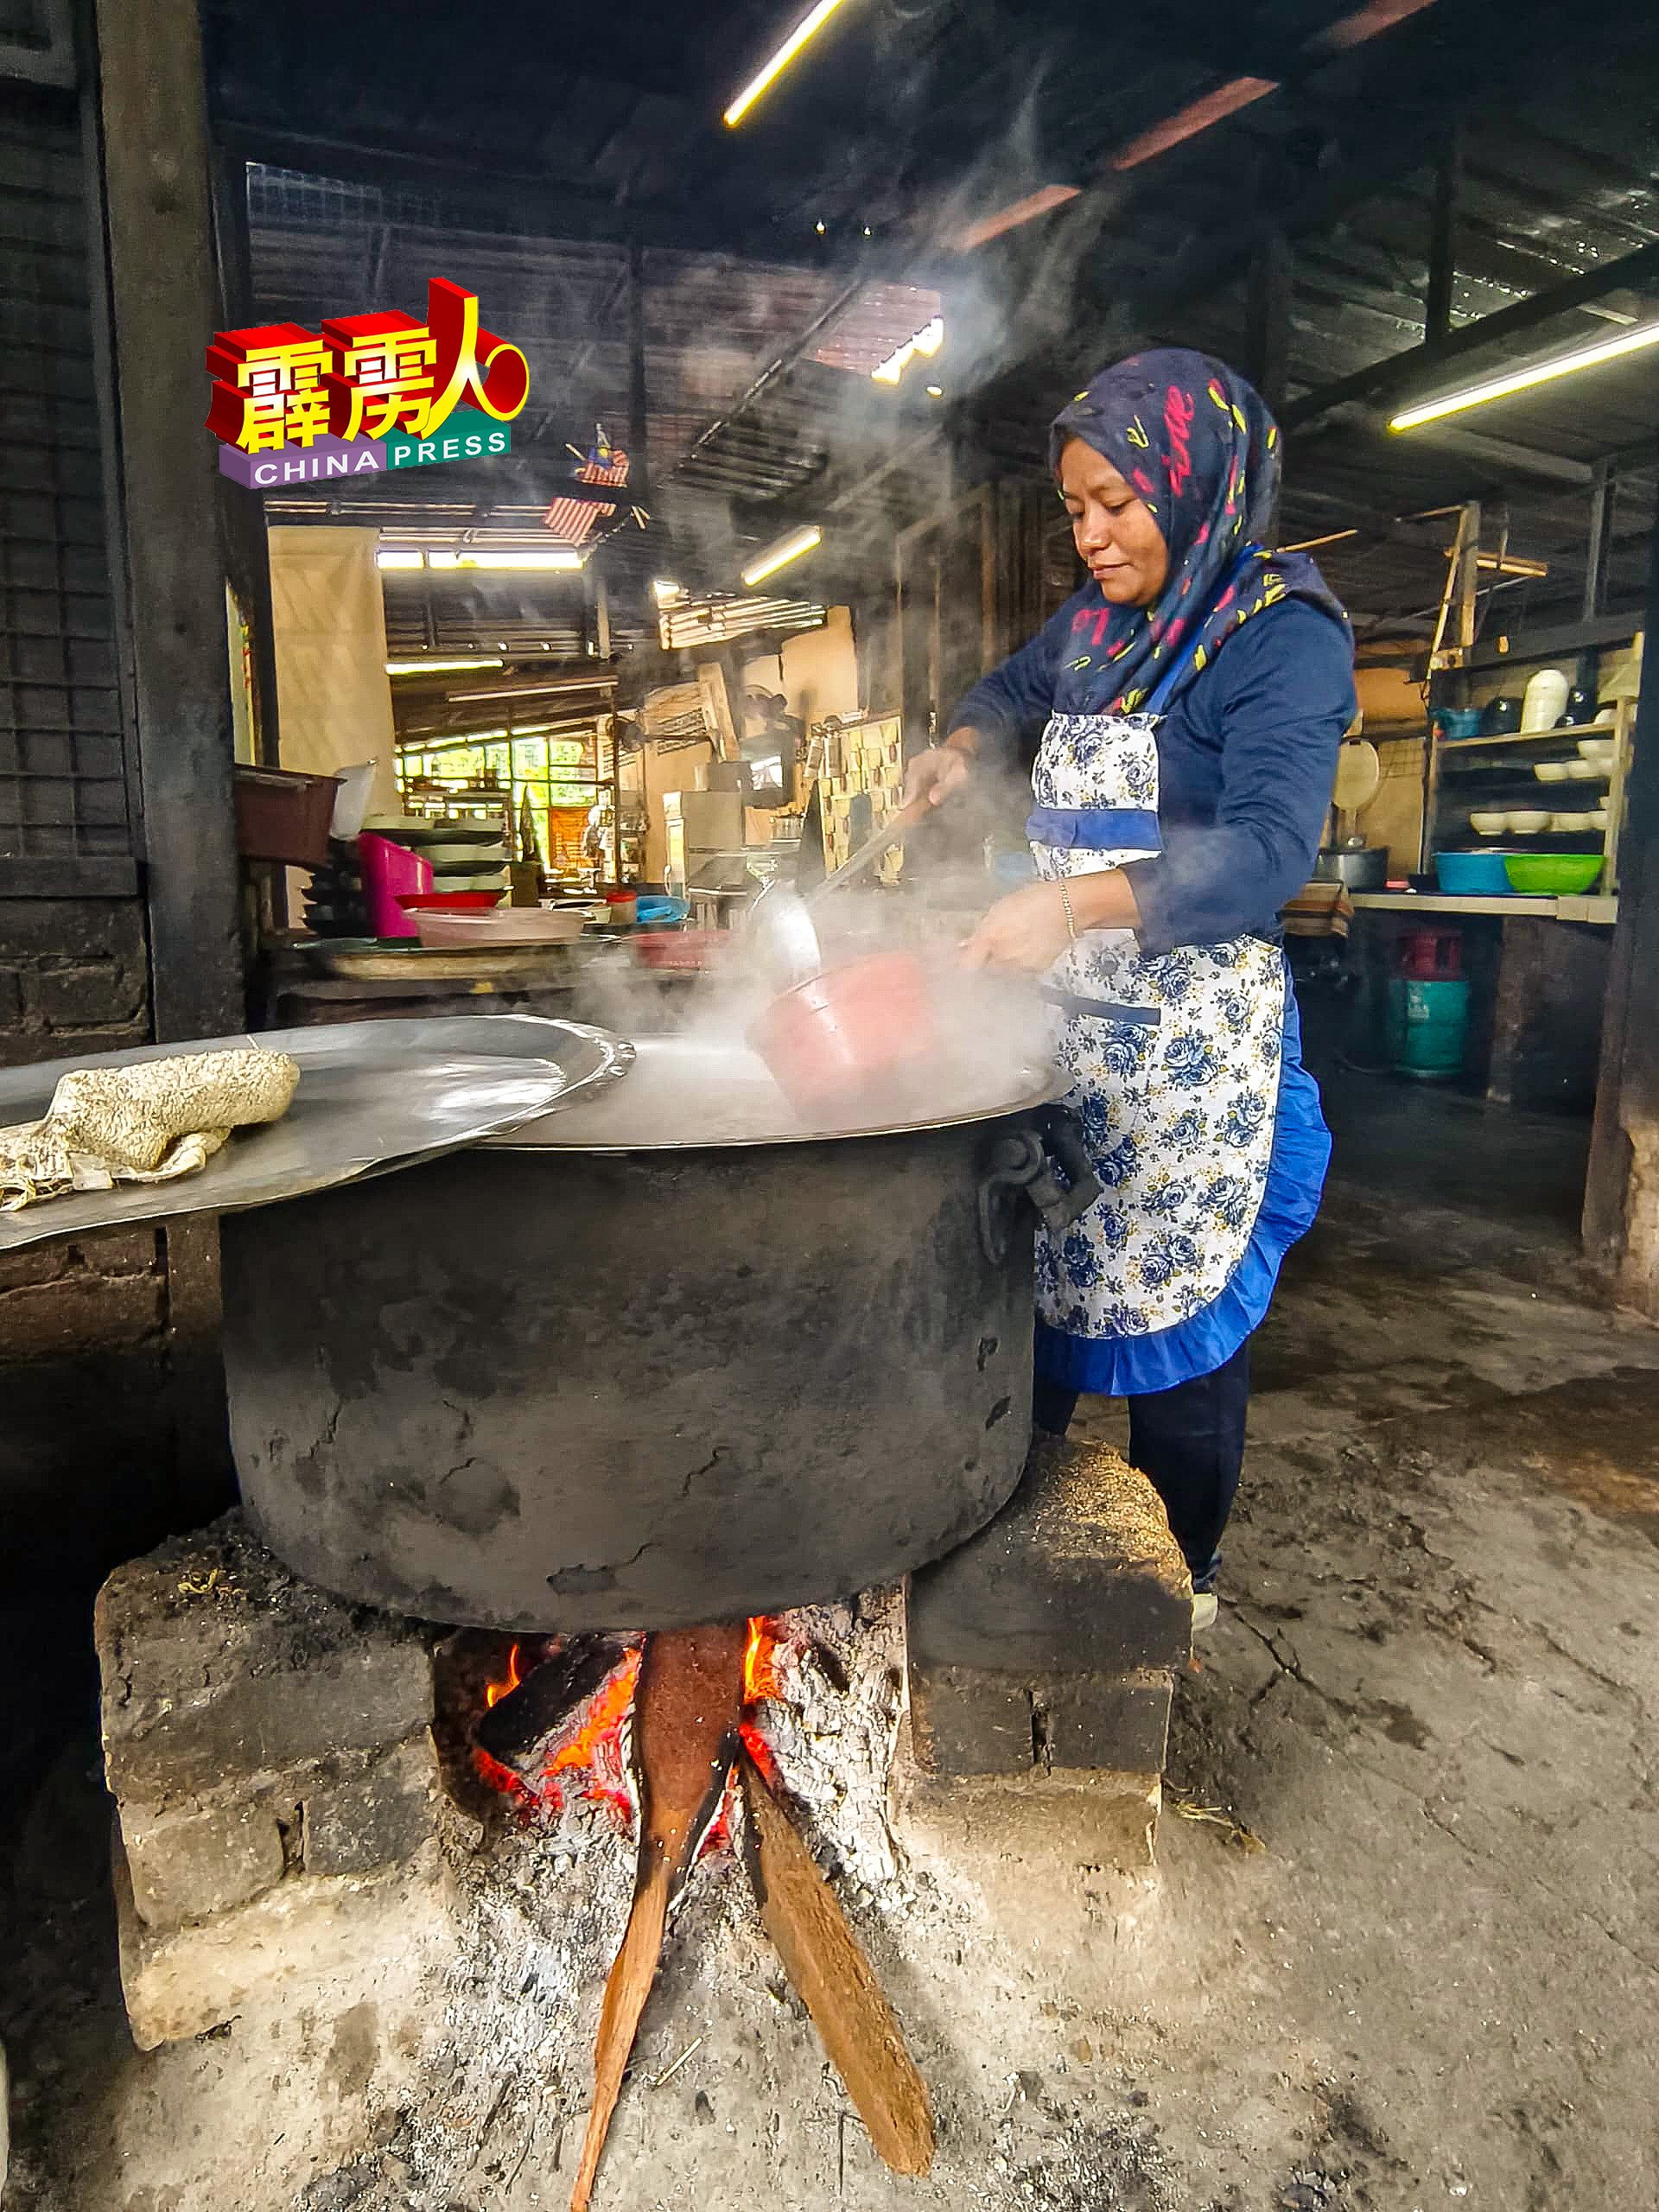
point(297, 1801)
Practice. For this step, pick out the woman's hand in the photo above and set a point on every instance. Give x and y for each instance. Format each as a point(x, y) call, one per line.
point(934, 774)
point(1027, 930)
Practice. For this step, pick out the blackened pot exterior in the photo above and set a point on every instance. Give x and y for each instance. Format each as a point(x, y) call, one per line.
point(562, 1391)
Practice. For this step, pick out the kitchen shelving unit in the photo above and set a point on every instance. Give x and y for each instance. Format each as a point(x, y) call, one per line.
point(1494, 774)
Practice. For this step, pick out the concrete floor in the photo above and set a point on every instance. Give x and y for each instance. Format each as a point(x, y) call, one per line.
point(1402, 1954)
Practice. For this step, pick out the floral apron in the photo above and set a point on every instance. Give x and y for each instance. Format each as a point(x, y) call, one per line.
point(1175, 1078)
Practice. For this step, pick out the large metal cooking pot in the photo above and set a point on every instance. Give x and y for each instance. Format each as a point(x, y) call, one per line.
point(665, 1359)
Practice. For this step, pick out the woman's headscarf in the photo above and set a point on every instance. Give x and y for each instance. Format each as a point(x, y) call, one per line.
point(1199, 445)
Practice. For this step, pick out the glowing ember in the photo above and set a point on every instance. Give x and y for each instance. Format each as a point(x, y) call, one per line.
point(494, 1692)
point(591, 1759)
point(599, 1745)
point(760, 1662)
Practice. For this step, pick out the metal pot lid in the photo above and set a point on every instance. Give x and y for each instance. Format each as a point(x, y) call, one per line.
point(373, 1096)
point(686, 1094)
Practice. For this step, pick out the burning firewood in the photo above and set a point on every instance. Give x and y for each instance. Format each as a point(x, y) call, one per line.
point(533, 1702)
point(685, 1722)
point(835, 1981)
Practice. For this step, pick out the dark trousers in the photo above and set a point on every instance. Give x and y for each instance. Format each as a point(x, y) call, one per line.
point(1188, 1442)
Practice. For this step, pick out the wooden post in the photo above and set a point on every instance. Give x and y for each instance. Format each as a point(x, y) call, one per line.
point(1621, 1198)
point(155, 192)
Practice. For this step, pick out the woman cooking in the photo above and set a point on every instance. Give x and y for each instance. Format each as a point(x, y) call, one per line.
point(1191, 699)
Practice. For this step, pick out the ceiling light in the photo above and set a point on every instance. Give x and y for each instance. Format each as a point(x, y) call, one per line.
point(1010, 217)
point(936, 392)
point(564, 557)
point(809, 23)
point(1564, 365)
point(541, 691)
point(820, 227)
point(440, 667)
point(665, 592)
point(928, 339)
point(400, 557)
point(783, 551)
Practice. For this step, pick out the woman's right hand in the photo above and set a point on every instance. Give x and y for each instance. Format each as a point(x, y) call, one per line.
point(934, 774)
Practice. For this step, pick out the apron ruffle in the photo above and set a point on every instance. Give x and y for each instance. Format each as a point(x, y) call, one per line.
point(1129, 1366)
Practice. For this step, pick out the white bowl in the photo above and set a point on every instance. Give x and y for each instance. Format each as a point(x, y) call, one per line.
point(1568, 825)
point(1596, 818)
point(1530, 822)
point(1586, 772)
point(1551, 771)
point(1599, 751)
point(1489, 825)
point(1604, 718)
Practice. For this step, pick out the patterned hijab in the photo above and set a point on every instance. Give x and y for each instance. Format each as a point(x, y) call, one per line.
point(1200, 447)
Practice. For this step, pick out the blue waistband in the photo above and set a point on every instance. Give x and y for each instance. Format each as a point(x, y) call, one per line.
point(1099, 829)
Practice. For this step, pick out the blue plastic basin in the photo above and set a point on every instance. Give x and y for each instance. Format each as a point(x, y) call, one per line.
point(1479, 875)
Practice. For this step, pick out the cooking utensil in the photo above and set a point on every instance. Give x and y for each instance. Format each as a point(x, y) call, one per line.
point(681, 1459)
point(373, 1096)
point(830, 1037)
point(780, 923)
point(1500, 717)
point(1488, 824)
point(1359, 771)
point(1361, 867)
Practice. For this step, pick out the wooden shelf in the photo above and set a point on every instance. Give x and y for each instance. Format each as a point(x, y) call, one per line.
point(1609, 730)
point(1589, 907)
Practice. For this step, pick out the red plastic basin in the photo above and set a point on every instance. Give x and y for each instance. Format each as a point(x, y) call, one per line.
point(830, 1037)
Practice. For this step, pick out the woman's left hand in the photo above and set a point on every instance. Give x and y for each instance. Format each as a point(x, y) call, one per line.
point(1026, 931)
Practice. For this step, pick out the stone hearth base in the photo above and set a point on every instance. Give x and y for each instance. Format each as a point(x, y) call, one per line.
point(270, 1752)
point(1043, 1654)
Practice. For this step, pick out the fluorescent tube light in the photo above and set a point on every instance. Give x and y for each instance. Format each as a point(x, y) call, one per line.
point(564, 557)
point(441, 667)
point(809, 26)
point(540, 691)
point(1563, 364)
point(400, 557)
point(782, 552)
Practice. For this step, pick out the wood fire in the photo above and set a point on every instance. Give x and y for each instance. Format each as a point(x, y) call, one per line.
point(674, 1728)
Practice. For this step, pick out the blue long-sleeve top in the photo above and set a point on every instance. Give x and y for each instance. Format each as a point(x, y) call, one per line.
point(1247, 754)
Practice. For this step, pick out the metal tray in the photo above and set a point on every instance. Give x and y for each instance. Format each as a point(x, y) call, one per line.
point(373, 1096)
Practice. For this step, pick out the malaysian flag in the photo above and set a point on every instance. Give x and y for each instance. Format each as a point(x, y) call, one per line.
point(573, 521)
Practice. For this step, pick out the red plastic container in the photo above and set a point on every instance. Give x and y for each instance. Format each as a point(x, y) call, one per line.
point(1431, 955)
point(448, 902)
point(830, 1038)
point(282, 816)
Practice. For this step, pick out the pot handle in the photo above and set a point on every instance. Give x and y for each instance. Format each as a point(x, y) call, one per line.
point(1051, 1165)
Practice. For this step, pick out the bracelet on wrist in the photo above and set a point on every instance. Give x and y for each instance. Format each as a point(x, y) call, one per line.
point(1065, 901)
